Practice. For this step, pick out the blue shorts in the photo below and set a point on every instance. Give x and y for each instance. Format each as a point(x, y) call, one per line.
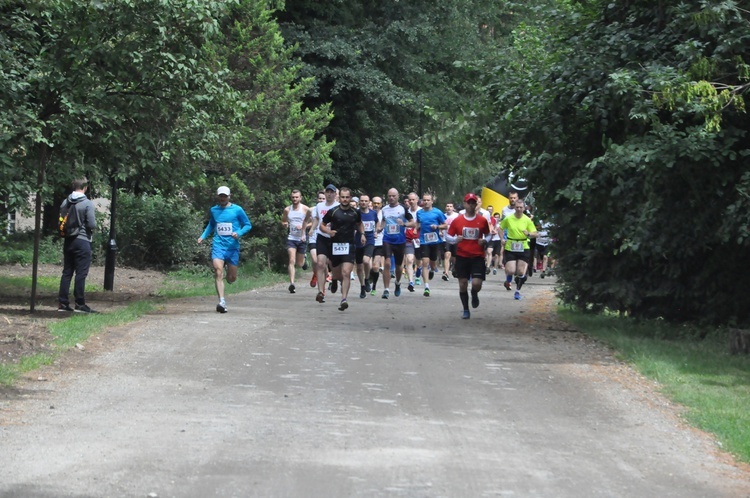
point(228, 255)
point(299, 245)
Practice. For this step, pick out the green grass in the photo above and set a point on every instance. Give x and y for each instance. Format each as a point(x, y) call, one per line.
point(79, 327)
point(697, 372)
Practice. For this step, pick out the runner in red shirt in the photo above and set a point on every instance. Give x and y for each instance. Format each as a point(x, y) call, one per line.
point(468, 232)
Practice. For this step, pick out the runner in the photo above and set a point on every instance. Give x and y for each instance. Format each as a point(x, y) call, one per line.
point(468, 232)
point(394, 222)
point(312, 237)
point(227, 222)
point(413, 248)
point(323, 241)
point(450, 249)
point(379, 251)
point(365, 251)
point(496, 244)
point(517, 254)
point(430, 221)
point(296, 217)
point(340, 224)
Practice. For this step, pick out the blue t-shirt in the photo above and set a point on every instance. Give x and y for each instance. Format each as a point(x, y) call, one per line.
point(428, 235)
point(225, 221)
point(369, 221)
point(395, 233)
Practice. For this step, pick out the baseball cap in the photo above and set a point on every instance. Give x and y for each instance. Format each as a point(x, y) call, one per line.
point(470, 197)
point(223, 191)
point(330, 186)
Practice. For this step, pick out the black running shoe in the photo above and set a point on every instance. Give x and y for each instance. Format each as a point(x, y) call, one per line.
point(506, 284)
point(221, 308)
point(321, 298)
point(63, 307)
point(368, 286)
point(431, 274)
point(82, 308)
point(446, 277)
point(291, 289)
point(334, 286)
point(474, 300)
point(410, 286)
point(362, 292)
point(343, 305)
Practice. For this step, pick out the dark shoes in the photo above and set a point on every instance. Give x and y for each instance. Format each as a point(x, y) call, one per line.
point(82, 308)
point(63, 307)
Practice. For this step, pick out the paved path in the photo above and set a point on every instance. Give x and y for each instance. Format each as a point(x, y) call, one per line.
point(284, 397)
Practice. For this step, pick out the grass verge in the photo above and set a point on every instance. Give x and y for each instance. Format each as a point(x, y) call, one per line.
point(694, 368)
point(79, 327)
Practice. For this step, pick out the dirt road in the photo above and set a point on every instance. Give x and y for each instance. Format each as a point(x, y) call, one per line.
point(283, 396)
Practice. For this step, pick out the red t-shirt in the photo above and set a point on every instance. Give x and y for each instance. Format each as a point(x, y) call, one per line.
point(472, 231)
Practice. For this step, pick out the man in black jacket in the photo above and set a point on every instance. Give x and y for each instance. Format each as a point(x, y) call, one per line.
point(77, 247)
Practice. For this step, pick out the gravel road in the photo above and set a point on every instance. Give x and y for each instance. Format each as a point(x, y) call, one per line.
point(285, 397)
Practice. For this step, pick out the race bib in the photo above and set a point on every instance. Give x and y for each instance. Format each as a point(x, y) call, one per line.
point(416, 243)
point(393, 229)
point(295, 230)
point(471, 233)
point(223, 229)
point(431, 237)
point(369, 226)
point(516, 246)
point(340, 249)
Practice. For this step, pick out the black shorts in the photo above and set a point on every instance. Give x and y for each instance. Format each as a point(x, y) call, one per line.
point(524, 256)
point(541, 250)
point(361, 252)
point(299, 245)
point(497, 245)
point(395, 250)
point(338, 259)
point(379, 251)
point(469, 267)
point(451, 248)
point(323, 245)
point(431, 251)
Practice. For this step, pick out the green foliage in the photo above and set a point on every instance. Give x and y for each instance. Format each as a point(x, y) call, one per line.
point(628, 120)
point(158, 231)
point(380, 65)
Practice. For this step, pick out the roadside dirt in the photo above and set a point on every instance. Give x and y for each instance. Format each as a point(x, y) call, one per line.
point(23, 333)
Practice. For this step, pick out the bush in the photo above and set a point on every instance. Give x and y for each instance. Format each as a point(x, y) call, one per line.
point(155, 231)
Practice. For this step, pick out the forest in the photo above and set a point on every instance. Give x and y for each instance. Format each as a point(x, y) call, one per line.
point(627, 119)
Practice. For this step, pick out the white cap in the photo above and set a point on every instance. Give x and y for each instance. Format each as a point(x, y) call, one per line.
point(223, 190)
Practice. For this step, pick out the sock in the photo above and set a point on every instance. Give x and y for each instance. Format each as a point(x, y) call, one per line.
point(474, 294)
point(419, 272)
point(521, 281)
point(221, 301)
point(509, 278)
point(374, 275)
point(426, 285)
point(464, 300)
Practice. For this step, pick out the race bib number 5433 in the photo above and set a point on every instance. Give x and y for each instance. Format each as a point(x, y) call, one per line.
point(224, 229)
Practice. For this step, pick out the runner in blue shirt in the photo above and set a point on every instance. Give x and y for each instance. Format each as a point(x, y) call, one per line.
point(227, 223)
point(365, 251)
point(430, 221)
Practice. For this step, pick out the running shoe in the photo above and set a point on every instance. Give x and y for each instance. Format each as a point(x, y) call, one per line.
point(334, 286)
point(291, 288)
point(474, 300)
point(410, 287)
point(314, 281)
point(494, 271)
point(466, 315)
point(321, 298)
point(385, 294)
point(446, 277)
point(397, 292)
point(426, 293)
point(368, 286)
point(431, 274)
point(506, 284)
point(517, 295)
point(343, 305)
point(362, 292)
point(304, 266)
point(373, 292)
point(221, 308)
point(486, 271)
point(417, 281)
point(64, 307)
point(82, 308)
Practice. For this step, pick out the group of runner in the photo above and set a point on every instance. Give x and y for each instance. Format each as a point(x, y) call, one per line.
point(347, 235)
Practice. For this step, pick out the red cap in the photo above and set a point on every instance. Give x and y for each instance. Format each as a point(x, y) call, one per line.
point(470, 197)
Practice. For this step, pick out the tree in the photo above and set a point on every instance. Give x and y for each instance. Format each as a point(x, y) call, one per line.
point(629, 123)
